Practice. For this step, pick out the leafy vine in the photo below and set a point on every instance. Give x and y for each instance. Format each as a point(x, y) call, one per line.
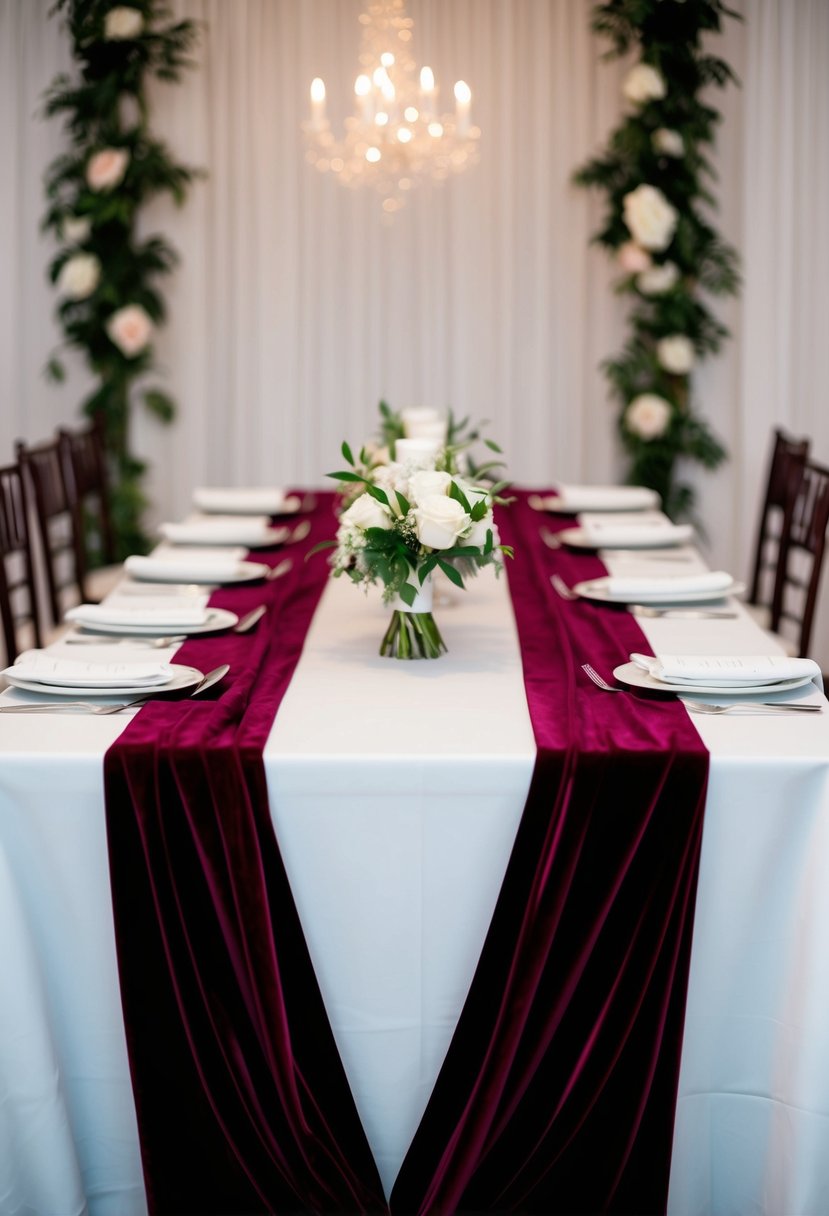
point(656, 177)
point(106, 274)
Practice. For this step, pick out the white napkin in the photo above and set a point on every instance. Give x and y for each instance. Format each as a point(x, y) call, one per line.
point(250, 500)
point(218, 530)
point(39, 667)
point(724, 670)
point(667, 585)
point(176, 615)
point(186, 570)
point(604, 535)
point(607, 498)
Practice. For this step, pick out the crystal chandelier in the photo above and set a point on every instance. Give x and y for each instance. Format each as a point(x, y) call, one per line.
point(397, 135)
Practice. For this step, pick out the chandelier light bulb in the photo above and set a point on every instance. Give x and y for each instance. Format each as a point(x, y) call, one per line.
point(396, 135)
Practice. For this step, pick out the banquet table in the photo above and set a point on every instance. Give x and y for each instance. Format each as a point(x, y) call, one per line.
point(396, 791)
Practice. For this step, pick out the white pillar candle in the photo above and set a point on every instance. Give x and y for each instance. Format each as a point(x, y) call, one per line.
point(421, 452)
point(317, 103)
point(415, 417)
point(463, 100)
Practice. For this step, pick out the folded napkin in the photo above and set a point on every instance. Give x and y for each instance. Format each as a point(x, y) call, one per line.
point(667, 585)
point(604, 535)
point(177, 615)
point(724, 670)
point(219, 529)
point(186, 569)
point(250, 500)
point(39, 667)
point(607, 498)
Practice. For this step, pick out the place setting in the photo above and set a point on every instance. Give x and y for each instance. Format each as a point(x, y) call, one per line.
point(575, 499)
point(742, 679)
point(252, 531)
point(61, 682)
point(649, 530)
point(273, 501)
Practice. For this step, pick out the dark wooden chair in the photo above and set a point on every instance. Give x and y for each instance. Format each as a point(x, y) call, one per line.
point(802, 549)
point(66, 478)
point(785, 471)
point(18, 592)
point(85, 476)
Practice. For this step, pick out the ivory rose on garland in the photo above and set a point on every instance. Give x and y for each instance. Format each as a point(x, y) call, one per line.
point(657, 228)
point(107, 275)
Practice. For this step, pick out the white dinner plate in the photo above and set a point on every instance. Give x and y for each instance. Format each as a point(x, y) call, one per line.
point(596, 589)
point(636, 502)
point(286, 506)
point(217, 618)
point(262, 540)
point(246, 573)
point(633, 674)
point(650, 538)
point(182, 677)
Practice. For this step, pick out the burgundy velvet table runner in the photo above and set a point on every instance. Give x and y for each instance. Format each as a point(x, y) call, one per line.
point(558, 1090)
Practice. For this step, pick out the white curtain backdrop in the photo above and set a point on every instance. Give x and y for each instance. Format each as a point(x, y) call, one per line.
point(295, 309)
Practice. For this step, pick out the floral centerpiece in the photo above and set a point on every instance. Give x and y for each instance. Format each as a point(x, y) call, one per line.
point(408, 519)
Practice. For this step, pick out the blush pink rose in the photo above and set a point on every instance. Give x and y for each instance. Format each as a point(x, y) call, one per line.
point(106, 168)
point(130, 329)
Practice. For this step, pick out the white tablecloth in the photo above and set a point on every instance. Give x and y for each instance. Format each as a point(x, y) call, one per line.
point(395, 812)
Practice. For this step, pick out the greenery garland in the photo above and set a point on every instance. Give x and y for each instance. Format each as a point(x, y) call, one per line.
point(109, 304)
point(652, 173)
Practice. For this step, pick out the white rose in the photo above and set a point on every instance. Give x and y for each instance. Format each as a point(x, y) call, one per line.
point(676, 354)
point(122, 23)
point(366, 512)
point(478, 531)
point(74, 229)
point(79, 276)
point(427, 482)
point(644, 83)
point(106, 168)
point(650, 217)
point(648, 416)
point(632, 257)
point(668, 142)
point(658, 280)
point(439, 521)
point(130, 329)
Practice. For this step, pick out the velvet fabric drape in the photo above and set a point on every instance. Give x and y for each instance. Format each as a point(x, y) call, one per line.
point(557, 1093)
point(242, 1101)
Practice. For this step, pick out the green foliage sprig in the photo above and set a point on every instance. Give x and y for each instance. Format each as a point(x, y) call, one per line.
point(106, 275)
point(655, 175)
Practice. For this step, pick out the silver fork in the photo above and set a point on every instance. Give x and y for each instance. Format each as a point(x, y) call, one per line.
point(107, 640)
point(277, 571)
point(598, 680)
point(704, 707)
point(561, 588)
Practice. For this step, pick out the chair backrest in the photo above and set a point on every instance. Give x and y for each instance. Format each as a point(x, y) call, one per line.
point(85, 477)
point(802, 551)
point(62, 550)
point(785, 471)
point(18, 594)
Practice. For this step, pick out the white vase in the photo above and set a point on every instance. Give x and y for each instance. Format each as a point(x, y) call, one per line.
point(422, 601)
